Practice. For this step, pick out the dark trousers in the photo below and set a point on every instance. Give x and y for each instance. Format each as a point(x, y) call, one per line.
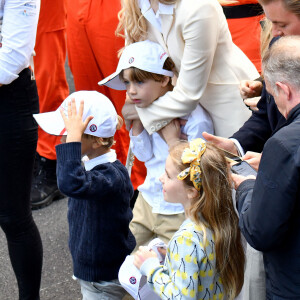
point(18, 139)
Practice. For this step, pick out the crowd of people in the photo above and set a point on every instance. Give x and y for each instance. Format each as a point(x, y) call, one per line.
point(164, 81)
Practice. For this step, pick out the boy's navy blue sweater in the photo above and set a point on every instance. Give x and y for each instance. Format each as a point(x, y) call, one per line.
point(98, 214)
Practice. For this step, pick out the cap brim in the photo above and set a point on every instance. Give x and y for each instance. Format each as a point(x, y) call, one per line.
point(51, 122)
point(113, 81)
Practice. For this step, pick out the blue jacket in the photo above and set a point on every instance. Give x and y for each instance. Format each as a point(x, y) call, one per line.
point(98, 214)
point(269, 209)
point(261, 125)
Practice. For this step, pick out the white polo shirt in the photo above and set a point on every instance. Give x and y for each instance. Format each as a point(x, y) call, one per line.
point(19, 20)
point(154, 151)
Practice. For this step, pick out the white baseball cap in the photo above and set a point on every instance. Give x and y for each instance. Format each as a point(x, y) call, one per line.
point(146, 55)
point(104, 123)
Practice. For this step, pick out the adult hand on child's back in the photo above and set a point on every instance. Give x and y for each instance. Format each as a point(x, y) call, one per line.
point(74, 124)
point(142, 255)
point(221, 142)
point(250, 88)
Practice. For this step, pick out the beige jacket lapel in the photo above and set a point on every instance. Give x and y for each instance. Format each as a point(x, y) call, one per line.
point(166, 25)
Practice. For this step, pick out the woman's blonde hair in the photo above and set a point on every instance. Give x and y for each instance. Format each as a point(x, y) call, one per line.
point(133, 22)
point(266, 36)
point(106, 142)
point(213, 208)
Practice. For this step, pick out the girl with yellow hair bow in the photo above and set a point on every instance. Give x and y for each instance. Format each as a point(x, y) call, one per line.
point(205, 257)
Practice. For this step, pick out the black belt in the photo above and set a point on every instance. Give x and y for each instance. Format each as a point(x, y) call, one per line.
point(242, 11)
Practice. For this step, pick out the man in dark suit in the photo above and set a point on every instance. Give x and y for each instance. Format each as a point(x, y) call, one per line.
point(269, 206)
point(285, 18)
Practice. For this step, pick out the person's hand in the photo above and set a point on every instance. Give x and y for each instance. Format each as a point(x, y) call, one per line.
point(250, 88)
point(252, 103)
point(238, 179)
point(221, 142)
point(142, 255)
point(253, 159)
point(74, 124)
point(171, 132)
point(129, 113)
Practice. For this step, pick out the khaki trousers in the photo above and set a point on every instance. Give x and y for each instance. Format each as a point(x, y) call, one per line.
point(147, 225)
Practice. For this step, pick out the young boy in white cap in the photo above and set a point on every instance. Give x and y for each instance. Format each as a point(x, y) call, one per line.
point(99, 191)
point(145, 71)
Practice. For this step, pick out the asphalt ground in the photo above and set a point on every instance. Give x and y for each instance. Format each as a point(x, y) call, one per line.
point(57, 282)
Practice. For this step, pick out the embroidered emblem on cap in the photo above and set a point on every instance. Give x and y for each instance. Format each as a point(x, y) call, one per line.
point(131, 60)
point(132, 280)
point(163, 55)
point(93, 128)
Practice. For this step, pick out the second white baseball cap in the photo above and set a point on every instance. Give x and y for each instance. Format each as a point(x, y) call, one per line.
point(146, 55)
point(104, 123)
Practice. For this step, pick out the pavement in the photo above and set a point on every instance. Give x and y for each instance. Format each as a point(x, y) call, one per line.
point(57, 282)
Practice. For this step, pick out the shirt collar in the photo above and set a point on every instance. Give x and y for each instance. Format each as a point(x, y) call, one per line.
point(102, 159)
point(149, 14)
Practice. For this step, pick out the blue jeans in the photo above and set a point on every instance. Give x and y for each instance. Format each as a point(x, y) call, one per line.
point(18, 139)
point(103, 290)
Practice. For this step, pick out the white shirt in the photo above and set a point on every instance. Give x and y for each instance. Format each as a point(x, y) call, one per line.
point(154, 151)
point(17, 38)
point(149, 14)
point(102, 159)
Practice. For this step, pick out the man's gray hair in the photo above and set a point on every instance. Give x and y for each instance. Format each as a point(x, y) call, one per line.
point(282, 62)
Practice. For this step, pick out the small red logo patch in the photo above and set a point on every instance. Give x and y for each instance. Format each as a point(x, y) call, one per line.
point(132, 280)
point(93, 128)
point(163, 55)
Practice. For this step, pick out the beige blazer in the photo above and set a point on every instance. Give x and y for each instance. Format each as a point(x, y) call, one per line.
point(209, 65)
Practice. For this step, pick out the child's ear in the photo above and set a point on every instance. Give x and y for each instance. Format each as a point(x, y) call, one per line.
point(165, 81)
point(97, 142)
point(192, 193)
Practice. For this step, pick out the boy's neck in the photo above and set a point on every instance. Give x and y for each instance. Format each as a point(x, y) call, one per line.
point(98, 152)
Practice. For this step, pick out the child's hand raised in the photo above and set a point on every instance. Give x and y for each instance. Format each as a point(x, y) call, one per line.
point(74, 124)
point(141, 255)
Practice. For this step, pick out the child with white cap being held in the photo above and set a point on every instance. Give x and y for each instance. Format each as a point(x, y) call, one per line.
point(145, 71)
point(99, 191)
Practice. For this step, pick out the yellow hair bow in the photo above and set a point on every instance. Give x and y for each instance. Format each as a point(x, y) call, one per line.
point(193, 155)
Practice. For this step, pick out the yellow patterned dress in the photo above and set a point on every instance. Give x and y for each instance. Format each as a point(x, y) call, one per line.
point(189, 271)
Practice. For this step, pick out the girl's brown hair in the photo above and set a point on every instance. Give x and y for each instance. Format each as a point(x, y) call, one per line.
point(215, 205)
point(141, 75)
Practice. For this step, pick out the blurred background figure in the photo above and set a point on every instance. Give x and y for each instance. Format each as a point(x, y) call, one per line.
point(18, 139)
point(53, 88)
point(243, 18)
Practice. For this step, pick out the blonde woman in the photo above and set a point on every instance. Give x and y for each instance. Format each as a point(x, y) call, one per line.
point(209, 66)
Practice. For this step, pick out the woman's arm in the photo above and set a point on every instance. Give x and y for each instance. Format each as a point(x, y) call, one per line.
point(18, 37)
point(200, 31)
